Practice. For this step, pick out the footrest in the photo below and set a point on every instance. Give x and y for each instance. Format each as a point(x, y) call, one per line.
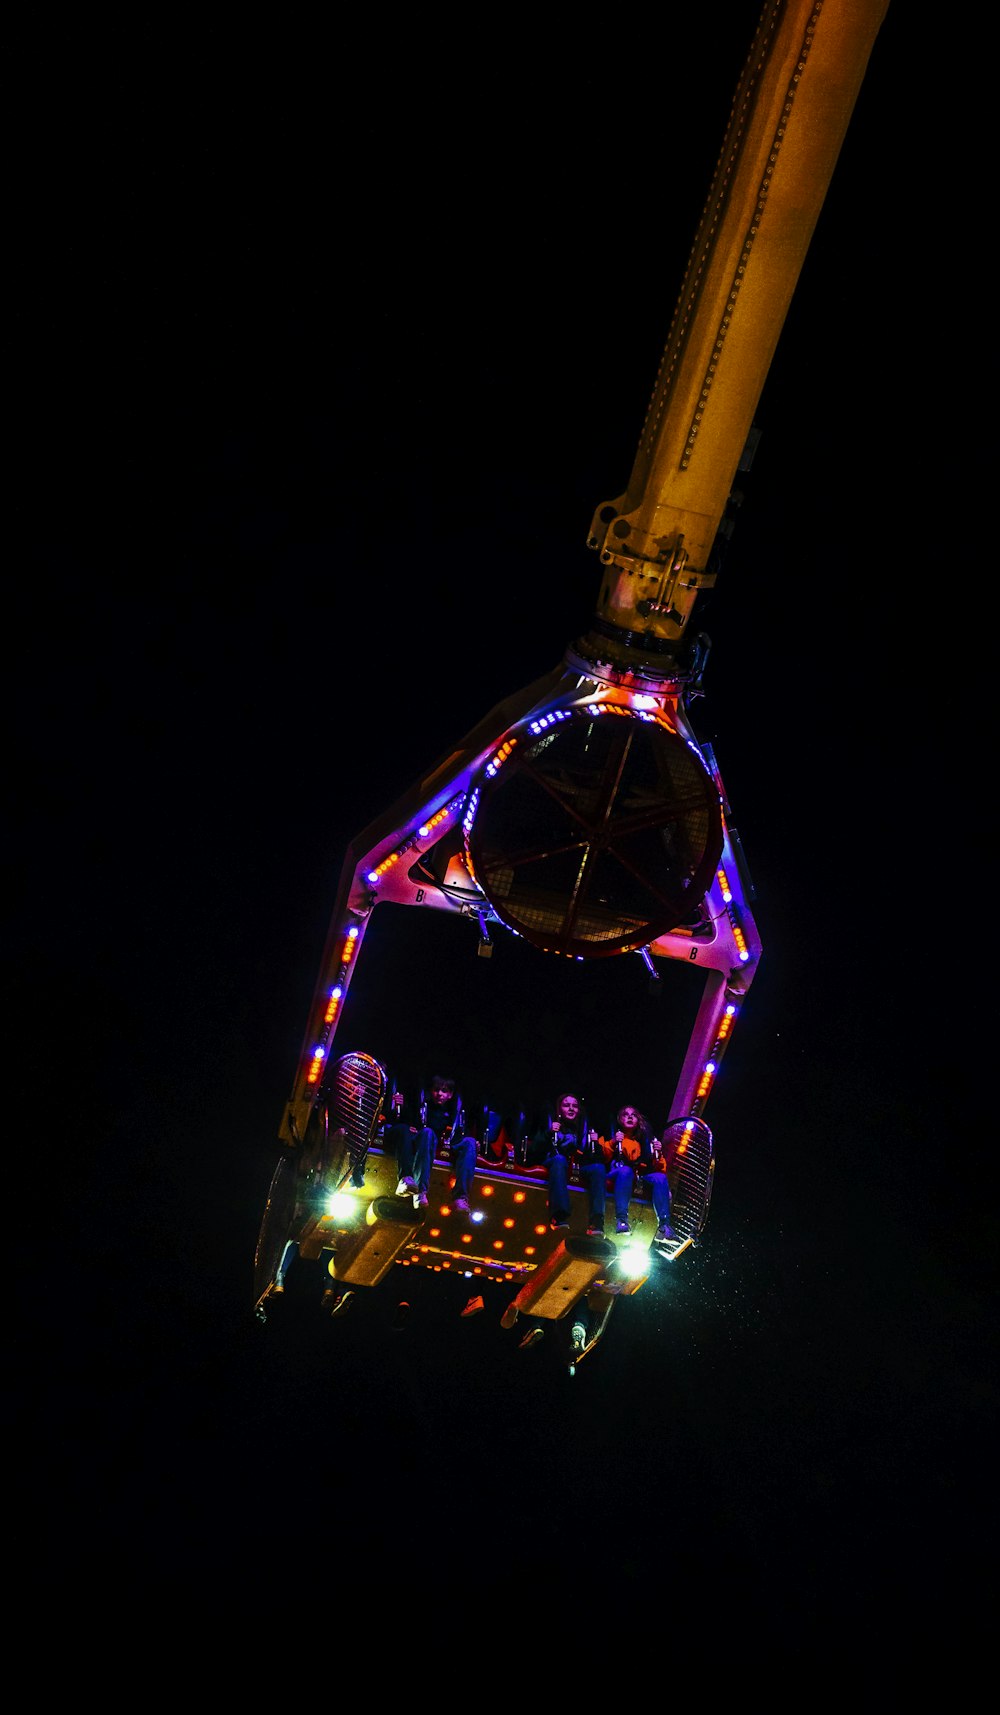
point(565, 1276)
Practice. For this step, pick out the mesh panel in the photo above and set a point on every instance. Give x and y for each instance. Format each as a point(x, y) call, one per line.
point(598, 836)
point(690, 1173)
point(354, 1095)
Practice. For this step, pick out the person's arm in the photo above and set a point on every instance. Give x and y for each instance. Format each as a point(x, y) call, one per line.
point(648, 1146)
point(396, 1114)
point(603, 1147)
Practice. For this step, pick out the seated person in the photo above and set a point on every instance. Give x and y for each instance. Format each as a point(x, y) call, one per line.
point(563, 1145)
point(419, 1131)
point(635, 1151)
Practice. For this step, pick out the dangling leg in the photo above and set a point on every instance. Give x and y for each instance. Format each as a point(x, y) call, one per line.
point(291, 1250)
point(557, 1179)
point(622, 1177)
point(401, 1140)
point(423, 1161)
point(463, 1160)
point(660, 1187)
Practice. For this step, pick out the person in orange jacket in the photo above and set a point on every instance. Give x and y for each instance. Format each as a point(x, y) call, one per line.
point(633, 1150)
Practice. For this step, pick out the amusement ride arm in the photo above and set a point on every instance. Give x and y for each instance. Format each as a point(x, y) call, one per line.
point(790, 113)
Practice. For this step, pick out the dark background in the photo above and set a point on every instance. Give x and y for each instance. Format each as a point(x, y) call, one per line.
point(325, 349)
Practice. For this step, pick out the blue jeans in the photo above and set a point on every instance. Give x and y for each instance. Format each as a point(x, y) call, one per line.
point(593, 1177)
point(622, 1177)
point(660, 1187)
point(463, 1164)
point(414, 1152)
point(623, 1180)
point(557, 1179)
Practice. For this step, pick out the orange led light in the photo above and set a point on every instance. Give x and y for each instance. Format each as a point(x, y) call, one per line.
point(503, 753)
point(519, 1196)
point(529, 1250)
point(509, 1222)
point(498, 1244)
point(487, 1190)
point(466, 1238)
point(435, 821)
point(435, 1232)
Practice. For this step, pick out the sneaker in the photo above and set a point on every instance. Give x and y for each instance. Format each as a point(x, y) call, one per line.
point(460, 1203)
point(421, 1200)
point(558, 1226)
point(664, 1231)
point(623, 1227)
point(406, 1187)
point(594, 1232)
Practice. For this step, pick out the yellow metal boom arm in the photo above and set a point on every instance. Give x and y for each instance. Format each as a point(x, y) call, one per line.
point(790, 113)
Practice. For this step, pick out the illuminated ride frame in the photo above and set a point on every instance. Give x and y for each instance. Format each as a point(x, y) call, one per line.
point(583, 813)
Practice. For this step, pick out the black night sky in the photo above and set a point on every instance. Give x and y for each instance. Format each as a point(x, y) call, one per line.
point(325, 352)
